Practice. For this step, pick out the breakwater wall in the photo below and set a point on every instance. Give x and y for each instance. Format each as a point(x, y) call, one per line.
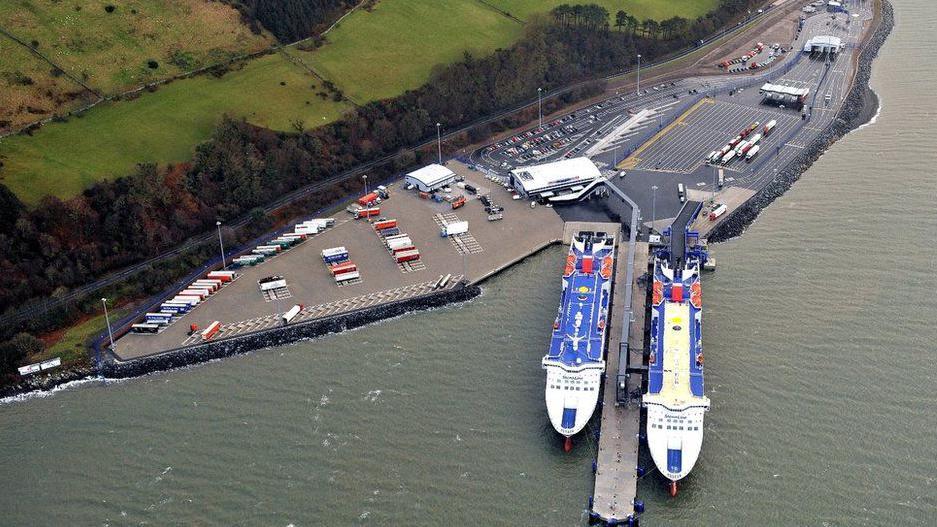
point(285, 334)
point(278, 336)
point(858, 108)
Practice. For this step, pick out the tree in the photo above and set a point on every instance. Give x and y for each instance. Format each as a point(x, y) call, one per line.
point(621, 19)
point(13, 351)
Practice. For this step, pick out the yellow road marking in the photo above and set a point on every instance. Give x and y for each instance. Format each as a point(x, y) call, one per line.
point(633, 160)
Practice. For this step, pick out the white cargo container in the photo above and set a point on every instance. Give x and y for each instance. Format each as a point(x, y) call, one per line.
point(273, 284)
point(200, 293)
point(187, 299)
point(291, 314)
point(752, 153)
point(212, 285)
point(399, 242)
point(345, 277)
point(306, 229)
point(456, 227)
point(719, 210)
point(224, 276)
point(728, 157)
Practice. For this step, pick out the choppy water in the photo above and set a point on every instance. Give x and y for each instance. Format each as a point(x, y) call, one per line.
point(820, 346)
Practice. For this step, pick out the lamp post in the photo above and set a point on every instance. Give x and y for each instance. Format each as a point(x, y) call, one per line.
point(221, 243)
point(639, 74)
point(439, 143)
point(107, 319)
point(540, 106)
point(653, 206)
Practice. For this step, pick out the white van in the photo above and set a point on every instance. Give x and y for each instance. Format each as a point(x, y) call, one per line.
point(681, 192)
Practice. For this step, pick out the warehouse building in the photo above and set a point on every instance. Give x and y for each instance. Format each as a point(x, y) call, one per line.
point(431, 177)
point(557, 181)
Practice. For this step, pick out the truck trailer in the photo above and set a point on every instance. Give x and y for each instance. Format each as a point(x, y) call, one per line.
point(407, 256)
point(367, 213)
point(456, 227)
point(752, 153)
point(718, 211)
point(211, 330)
point(224, 276)
point(335, 254)
point(291, 314)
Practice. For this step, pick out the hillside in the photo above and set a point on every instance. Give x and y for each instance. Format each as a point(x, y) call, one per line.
point(110, 46)
point(373, 53)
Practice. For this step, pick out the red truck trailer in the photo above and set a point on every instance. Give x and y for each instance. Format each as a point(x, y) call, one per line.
point(407, 256)
point(367, 213)
point(344, 267)
point(368, 199)
point(385, 224)
point(211, 330)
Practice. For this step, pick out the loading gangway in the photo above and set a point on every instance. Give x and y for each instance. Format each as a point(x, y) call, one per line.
point(679, 232)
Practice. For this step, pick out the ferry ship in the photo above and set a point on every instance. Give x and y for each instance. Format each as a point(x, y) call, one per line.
point(575, 362)
point(674, 400)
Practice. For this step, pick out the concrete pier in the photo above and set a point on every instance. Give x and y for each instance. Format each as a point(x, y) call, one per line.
point(616, 465)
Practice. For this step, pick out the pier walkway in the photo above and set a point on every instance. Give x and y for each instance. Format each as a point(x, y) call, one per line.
point(617, 461)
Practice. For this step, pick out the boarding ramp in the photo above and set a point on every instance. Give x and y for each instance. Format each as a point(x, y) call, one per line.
point(678, 232)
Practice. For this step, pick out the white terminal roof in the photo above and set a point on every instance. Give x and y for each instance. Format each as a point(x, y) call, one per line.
point(785, 90)
point(431, 175)
point(567, 172)
point(824, 41)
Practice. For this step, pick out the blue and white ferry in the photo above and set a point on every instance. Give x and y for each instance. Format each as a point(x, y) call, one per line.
point(674, 400)
point(575, 362)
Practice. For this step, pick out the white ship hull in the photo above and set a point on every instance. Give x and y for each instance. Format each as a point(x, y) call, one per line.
point(675, 439)
point(571, 397)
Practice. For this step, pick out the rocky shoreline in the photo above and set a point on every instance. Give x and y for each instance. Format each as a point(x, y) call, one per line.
point(859, 107)
point(180, 357)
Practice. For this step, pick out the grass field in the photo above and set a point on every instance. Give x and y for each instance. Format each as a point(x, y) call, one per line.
point(63, 158)
point(111, 51)
point(369, 55)
point(640, 9)
point(384, 52)
point(28, 91)
point(71, 347)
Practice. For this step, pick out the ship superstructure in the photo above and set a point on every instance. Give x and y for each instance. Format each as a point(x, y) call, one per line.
point(575, 361)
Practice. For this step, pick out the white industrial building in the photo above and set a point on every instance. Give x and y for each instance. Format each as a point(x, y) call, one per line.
point(823, 44)
point(431, 177)
point(557, 181)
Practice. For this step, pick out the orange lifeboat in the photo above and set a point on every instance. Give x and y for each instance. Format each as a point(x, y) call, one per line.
point(607, 267)
point(696, 295)
point(658, 294)
point(570, 265)
point(601, 325)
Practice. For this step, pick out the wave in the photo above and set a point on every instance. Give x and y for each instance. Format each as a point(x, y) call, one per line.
point(41, 394)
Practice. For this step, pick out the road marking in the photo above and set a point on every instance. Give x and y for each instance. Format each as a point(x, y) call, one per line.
point(632, 160)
